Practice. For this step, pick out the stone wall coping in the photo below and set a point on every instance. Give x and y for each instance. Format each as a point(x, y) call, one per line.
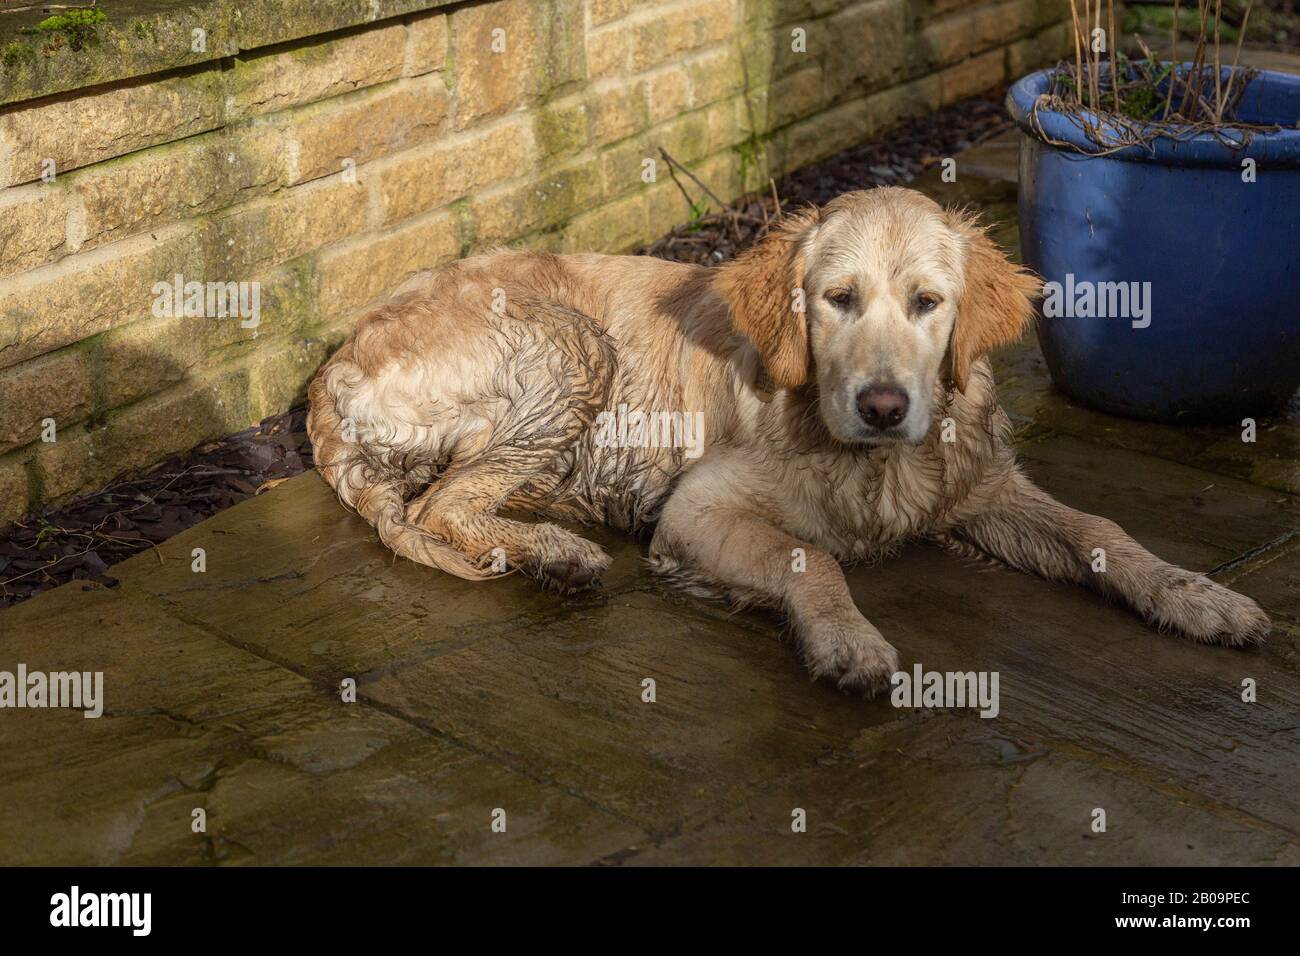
point(142, 37)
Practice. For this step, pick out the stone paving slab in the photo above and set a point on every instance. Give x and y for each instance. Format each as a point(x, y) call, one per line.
point(891, 802)
point(1187, 517)
point(551, 700)
point(295, 578)
point(552, 690)
point(995, 159)
point(1271, 461)
point(1078, 671)
point(733, 707)
point(286, 772)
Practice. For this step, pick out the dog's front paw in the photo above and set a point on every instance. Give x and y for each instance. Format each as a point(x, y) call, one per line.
point(850, 652)
point(1196, 607)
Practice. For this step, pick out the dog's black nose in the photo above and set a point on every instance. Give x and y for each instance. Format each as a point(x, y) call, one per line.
point(882, 406)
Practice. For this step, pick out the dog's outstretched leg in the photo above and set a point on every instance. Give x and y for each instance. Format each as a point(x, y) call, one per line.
point(1024, 526)
point(733, 546)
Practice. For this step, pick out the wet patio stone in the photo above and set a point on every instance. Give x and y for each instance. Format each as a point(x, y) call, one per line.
point(285, 771)
point(733, 706)
point(1020, 802)
point(294, 577)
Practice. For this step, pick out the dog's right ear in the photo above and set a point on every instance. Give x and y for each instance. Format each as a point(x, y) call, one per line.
point(763, 287)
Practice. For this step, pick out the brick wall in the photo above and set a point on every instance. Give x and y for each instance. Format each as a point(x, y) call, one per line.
point(328, 168)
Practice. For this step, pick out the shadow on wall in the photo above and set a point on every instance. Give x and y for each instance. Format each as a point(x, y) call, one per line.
point(212, 358)
point(145, 492)
point(824, 77)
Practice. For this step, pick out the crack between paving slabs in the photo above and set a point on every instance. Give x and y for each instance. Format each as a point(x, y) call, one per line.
point(1246, 561)
point(1138, 771)
point(428, 730)
point(1090, 438)
point(759, 790)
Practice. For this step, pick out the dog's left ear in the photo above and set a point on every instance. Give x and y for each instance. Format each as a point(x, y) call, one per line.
point(997, 304)
point(763, 287)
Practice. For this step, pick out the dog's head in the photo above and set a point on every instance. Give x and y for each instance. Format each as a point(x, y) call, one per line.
point(874, 298)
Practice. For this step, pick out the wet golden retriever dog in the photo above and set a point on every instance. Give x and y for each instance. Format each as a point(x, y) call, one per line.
point(837, 370)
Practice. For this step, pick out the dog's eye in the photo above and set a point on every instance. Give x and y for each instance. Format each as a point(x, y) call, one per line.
point(840, 298)
point(927, 302)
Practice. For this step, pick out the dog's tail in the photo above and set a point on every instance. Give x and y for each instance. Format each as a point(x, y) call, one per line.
point(363, 482)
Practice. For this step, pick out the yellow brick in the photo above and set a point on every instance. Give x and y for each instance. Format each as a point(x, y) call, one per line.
point(666, 208)
point(715, 76)
point(1053, 12)
point(724, 124)
point(363, 127)
point(617, 227)
point(667, 94)
point(939, 7)
point(795, 97)
point(793, 51)
point(144, 433)
point(426, 44)
point(663, 38)
point(560, 128)
point(499, 58)
point(753, 110)
point(13, 488)
point(280, 376)
point(617, 109)
point(757, 51)
point(623, 166)
point(607, 52)
point(263, 83)
point(765, 13)
point(85, 294)
point(1043, 48)
point(887, 108)
point(949, 40)
point(253, 236)
point(870, 49)
point(995, 25)
point(686, 138)
point(369, 267)
point(145, 356)
point(34, 226)
point(973, 76)
point(157, 187)
point(433, 177)
point(551, 198)
point(722, 173)
point(101, 123)
point(54, 386)
point(333, 333)
point(828, 132)
point(602, 11)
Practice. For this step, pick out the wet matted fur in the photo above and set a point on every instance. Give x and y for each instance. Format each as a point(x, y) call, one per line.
point(840, 368)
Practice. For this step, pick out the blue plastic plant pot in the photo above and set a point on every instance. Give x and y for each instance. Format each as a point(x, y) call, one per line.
point(1173, 272)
